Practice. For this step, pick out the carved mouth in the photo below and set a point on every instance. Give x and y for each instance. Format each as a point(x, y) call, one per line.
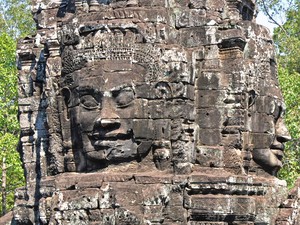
point(104, 141)
point(111, 150)
point(110, 136)
point(107, 143)
point(277, 149)
point(278, 153)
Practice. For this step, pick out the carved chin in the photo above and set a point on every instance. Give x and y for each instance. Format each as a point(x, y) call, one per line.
point(267, 159)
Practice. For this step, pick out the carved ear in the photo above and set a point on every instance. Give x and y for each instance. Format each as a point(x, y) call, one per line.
point(66, 93)
point(163, 90)
point(252, 98)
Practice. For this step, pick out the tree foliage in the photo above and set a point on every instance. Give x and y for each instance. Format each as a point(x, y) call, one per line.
point(287, 40)
point(15, 22)
point(8, 118)
point(290, 84)
point(16, 19)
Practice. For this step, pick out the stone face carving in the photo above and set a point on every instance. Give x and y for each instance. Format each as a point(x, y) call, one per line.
point(266, 110)
point(105, 54)
point(151, 112)
point(102, 106)
point(125, 99)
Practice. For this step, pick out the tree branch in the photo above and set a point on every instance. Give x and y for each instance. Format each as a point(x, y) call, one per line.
point(272, 18)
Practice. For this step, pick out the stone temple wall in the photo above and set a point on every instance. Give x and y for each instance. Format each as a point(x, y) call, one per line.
point(151, 112)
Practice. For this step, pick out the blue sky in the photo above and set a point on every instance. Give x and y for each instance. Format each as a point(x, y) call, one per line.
point(283, 5)
point(263, 20)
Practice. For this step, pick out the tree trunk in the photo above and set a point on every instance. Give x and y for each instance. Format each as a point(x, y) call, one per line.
point(4, 186)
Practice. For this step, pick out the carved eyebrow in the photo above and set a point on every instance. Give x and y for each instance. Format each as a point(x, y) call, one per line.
point(123, 86)
point(83, 90)
point(87, 90)
point(87, 87)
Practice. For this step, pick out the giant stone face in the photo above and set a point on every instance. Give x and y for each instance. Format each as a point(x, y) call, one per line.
point(123, 108)
point(169, 101)
point(267, 127)
point(102, 106)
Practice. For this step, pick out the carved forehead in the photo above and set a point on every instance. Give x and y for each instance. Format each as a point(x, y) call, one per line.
point(108, 73)
point(265, 80)
point(84, 55)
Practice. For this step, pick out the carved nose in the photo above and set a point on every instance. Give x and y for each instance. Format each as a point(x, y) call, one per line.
point(108, 116)
point(106, 123)
point(109, 122)
point(282, 132)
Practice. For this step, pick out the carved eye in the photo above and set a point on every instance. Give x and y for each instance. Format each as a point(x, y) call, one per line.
point(89, 102)
point(124, 97)
point(278, 111)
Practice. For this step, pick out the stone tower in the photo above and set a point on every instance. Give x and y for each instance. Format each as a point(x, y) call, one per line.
point(151, 112)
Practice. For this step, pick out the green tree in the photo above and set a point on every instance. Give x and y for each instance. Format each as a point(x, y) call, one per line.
point(16, 19)
point(290, 84)
point(287, 40)
point(15, 22)
point(9, 157)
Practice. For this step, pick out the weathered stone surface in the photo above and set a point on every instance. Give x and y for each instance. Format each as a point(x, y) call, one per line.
point(151, 112)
